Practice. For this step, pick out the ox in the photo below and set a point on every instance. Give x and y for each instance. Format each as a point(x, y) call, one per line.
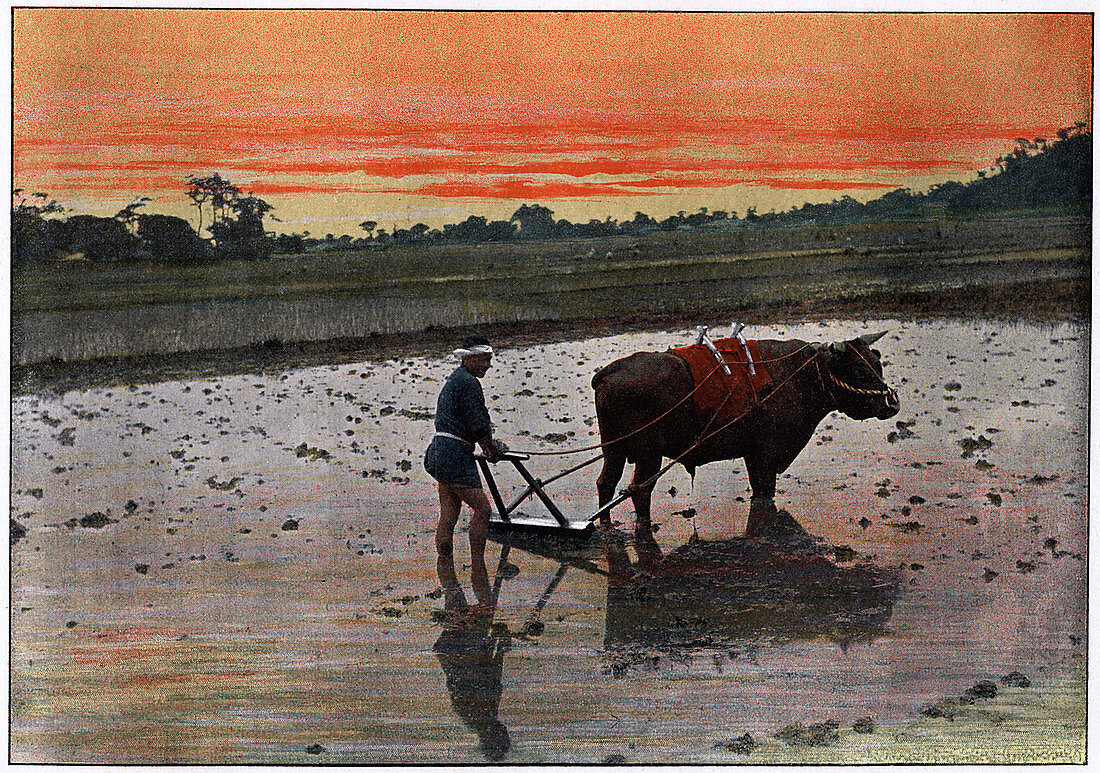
point(645, 413)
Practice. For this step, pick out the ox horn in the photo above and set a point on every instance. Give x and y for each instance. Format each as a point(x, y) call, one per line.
point(870, 339)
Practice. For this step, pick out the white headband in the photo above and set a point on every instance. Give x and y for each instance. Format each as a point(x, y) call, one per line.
point(479, 349)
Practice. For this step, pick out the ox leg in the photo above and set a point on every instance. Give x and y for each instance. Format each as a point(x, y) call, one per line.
point(761, 479)
point(606, 483)
point(766, 521)
point(645, 472)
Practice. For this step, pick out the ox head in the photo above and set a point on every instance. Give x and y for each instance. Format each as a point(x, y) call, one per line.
point(853, 375)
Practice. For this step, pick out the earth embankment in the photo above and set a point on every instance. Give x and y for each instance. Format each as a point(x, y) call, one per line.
point(77, 324)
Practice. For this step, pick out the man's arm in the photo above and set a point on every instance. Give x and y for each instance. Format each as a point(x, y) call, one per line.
point(494, 449)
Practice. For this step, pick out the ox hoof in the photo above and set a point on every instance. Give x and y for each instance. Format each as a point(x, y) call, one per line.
point(771, 524)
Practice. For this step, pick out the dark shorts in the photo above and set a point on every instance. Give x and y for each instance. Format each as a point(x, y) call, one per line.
point(451, 461)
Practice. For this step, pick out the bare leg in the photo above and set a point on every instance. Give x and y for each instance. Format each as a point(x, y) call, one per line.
point(453, 598)
point(762, 517)
point(479, 529)
point(449, 506)
point(649, 552)
point(479, 520)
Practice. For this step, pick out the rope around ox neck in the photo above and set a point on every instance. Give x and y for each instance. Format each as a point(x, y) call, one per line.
point(886, 391)
point(684, 399)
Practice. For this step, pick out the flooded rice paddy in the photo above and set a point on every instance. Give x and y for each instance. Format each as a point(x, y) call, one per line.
point(242, 569)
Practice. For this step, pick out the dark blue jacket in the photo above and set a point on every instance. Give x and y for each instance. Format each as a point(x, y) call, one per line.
point(461, 410)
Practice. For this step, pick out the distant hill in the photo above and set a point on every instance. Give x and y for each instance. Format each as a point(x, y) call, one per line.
point(1036, 175)
point(1059, 174)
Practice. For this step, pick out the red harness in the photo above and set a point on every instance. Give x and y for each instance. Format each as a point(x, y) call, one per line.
point(718, 397)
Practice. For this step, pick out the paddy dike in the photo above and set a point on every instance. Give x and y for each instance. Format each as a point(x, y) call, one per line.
point(79, 323)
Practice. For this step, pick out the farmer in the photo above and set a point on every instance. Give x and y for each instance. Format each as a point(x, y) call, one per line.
point(462, 423)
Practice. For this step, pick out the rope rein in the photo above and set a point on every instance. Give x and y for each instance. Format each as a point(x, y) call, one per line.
point(886, 392)
point(649, 424)
point(653, 478)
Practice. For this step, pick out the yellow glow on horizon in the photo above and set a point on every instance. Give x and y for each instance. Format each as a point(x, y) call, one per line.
point(598, 114)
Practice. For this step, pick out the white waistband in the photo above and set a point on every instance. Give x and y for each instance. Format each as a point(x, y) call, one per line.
point(453, 437)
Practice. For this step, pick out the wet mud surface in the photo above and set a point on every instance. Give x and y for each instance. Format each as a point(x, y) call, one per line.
point(241, 569)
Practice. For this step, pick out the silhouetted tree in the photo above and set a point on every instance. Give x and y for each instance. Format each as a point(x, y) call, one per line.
point(169, 237)
point(239, 231)
point(535, 222)
point(97, 238)
point(129, 215)
point(33, 235)
point(216, 190)
point(290, 244)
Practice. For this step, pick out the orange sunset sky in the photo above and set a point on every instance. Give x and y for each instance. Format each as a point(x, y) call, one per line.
point(336, 117)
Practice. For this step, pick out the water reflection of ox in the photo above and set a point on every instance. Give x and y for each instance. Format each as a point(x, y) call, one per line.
point(777, 587)
point(776, 583)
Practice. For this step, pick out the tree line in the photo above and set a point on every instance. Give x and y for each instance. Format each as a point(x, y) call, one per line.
point(230, 222)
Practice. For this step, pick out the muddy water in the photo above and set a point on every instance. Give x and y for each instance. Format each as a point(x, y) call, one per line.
point(242, 569)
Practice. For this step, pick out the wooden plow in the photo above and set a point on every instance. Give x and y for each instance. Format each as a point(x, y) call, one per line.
point(506, 518)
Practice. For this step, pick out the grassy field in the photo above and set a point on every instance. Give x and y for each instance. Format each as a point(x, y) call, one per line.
point(109, 316)
point(687, 256)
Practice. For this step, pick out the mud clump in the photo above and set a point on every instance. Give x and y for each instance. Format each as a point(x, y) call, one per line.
point(984, 690)
point(948, 708)
point(844, 553)
point(290, 525)
point(213, 483)
point(96, 520)
point(864, 725)
point(304, 451)
point(1015, 679)
point(742, 744)
point(315, 749)
point(822, 734)
point(970, 445)
point(18, 531)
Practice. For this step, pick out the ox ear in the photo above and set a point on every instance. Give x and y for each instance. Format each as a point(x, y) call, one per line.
point(870, 339)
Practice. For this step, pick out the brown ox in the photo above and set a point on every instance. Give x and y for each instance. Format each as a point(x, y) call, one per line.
point(645, 413)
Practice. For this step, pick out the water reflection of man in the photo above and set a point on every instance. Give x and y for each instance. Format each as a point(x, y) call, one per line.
point(471, 651)
point(462, 423)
